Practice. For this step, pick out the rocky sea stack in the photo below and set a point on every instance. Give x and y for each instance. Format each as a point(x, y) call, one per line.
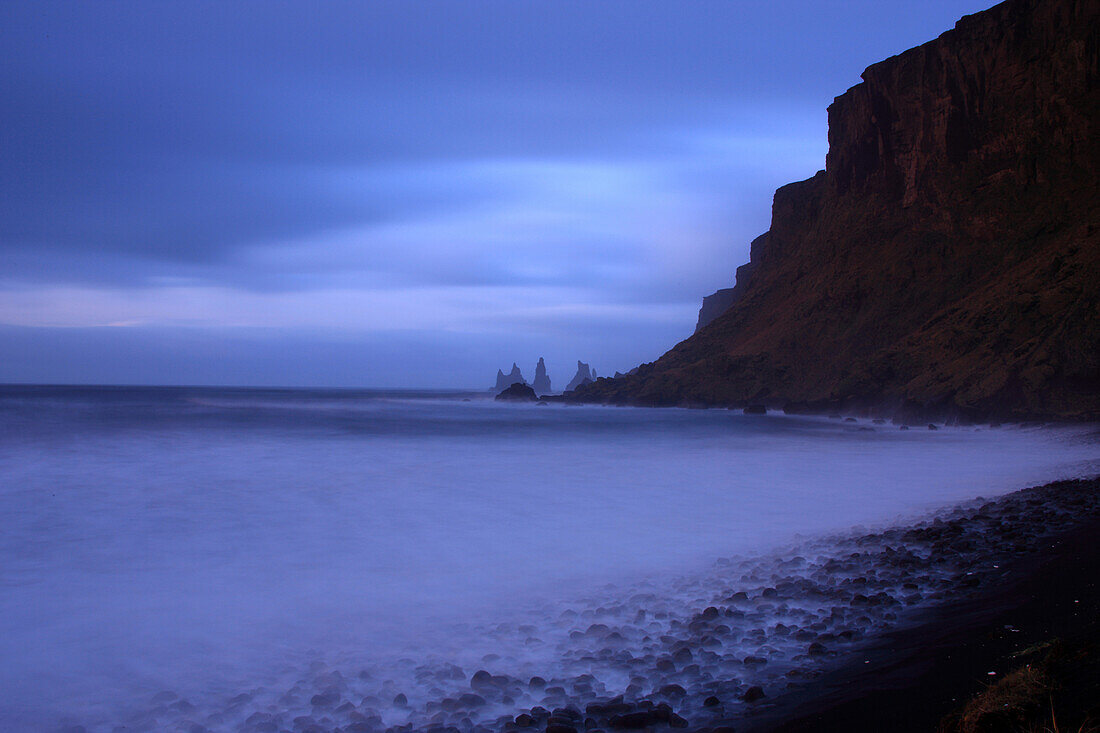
point(518, 392)
point(947, 260)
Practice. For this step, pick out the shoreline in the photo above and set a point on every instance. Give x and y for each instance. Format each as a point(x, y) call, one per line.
point(933, 675)
point(880, 630)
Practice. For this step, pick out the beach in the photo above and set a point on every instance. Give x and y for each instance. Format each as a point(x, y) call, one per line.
point(1022, 651)
point(248, 560)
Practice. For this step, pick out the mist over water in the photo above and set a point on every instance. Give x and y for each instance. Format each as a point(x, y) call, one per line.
point(205, 541)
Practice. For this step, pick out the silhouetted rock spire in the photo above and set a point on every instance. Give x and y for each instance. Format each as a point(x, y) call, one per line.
point(541, 384)
point(584, 375)
point(504, 381)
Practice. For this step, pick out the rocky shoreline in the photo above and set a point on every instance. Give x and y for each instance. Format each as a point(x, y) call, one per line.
point(750, 644)
point(1023, 653)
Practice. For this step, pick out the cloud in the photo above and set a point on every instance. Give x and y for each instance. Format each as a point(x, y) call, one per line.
point(380, 167)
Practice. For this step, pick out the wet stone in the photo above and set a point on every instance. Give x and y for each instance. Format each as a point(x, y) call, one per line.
point(753, 694)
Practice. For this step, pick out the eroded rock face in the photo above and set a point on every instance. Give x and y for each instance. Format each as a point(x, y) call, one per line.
point(947, 260)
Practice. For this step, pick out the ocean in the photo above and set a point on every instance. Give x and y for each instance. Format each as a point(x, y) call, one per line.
point(241, 559)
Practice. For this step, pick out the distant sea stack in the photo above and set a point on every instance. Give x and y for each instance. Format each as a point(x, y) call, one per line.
point(541, 384)
point(946, 261)
point(585, 375)
point(504, 381)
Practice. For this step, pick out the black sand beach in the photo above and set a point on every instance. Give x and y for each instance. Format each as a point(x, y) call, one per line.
point(1038, 626)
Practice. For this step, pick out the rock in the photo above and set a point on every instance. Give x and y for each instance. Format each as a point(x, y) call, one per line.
point(672, 691)
point(518, 392)
point(504, 381)
point(754, 693)
point(756, 410)
point(635, 721)
point(712, 702)
point(715, 305)
point(542, 381)
point(583, 376)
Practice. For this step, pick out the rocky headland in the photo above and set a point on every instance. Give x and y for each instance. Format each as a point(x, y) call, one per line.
point(945, 264)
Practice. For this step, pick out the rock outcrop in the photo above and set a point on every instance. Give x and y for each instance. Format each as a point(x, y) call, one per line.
point(518, 392)
point(506, 380)
point(585, 375)
point(542, 382)
point(947, 260)
point(716, 304)
point(713, 306)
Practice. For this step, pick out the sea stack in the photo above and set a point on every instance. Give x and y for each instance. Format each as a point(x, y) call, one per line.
point(541, 384)
point(504, 381)
point(584, 376)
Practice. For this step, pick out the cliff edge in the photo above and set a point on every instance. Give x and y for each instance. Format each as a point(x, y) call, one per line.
point(946, 261)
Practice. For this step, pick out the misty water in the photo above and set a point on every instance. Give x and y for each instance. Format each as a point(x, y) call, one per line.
point(167, 552)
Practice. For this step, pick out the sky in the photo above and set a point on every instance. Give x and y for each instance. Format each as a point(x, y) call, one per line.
point(399, 194)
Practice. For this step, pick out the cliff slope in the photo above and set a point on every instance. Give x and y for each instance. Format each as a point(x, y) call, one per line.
point(947, 260)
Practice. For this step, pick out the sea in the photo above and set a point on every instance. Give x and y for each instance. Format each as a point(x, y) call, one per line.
point(262, 559)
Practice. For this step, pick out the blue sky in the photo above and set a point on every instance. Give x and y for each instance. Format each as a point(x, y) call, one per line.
point(398, 193)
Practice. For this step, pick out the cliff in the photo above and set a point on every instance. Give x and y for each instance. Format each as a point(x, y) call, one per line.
point(946, 261)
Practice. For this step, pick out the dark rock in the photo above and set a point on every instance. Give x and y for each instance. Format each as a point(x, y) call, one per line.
point(542, 382)
point(504, 381)
point(584, 376)
point(754, 693)
point(325, 699)
point(518, 392)
point(637, 720)
point(671, 691)
point(715, 305)
point(756, 410)
point(712, 702)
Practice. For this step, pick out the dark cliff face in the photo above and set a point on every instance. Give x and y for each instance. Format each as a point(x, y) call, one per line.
point(947, 259)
